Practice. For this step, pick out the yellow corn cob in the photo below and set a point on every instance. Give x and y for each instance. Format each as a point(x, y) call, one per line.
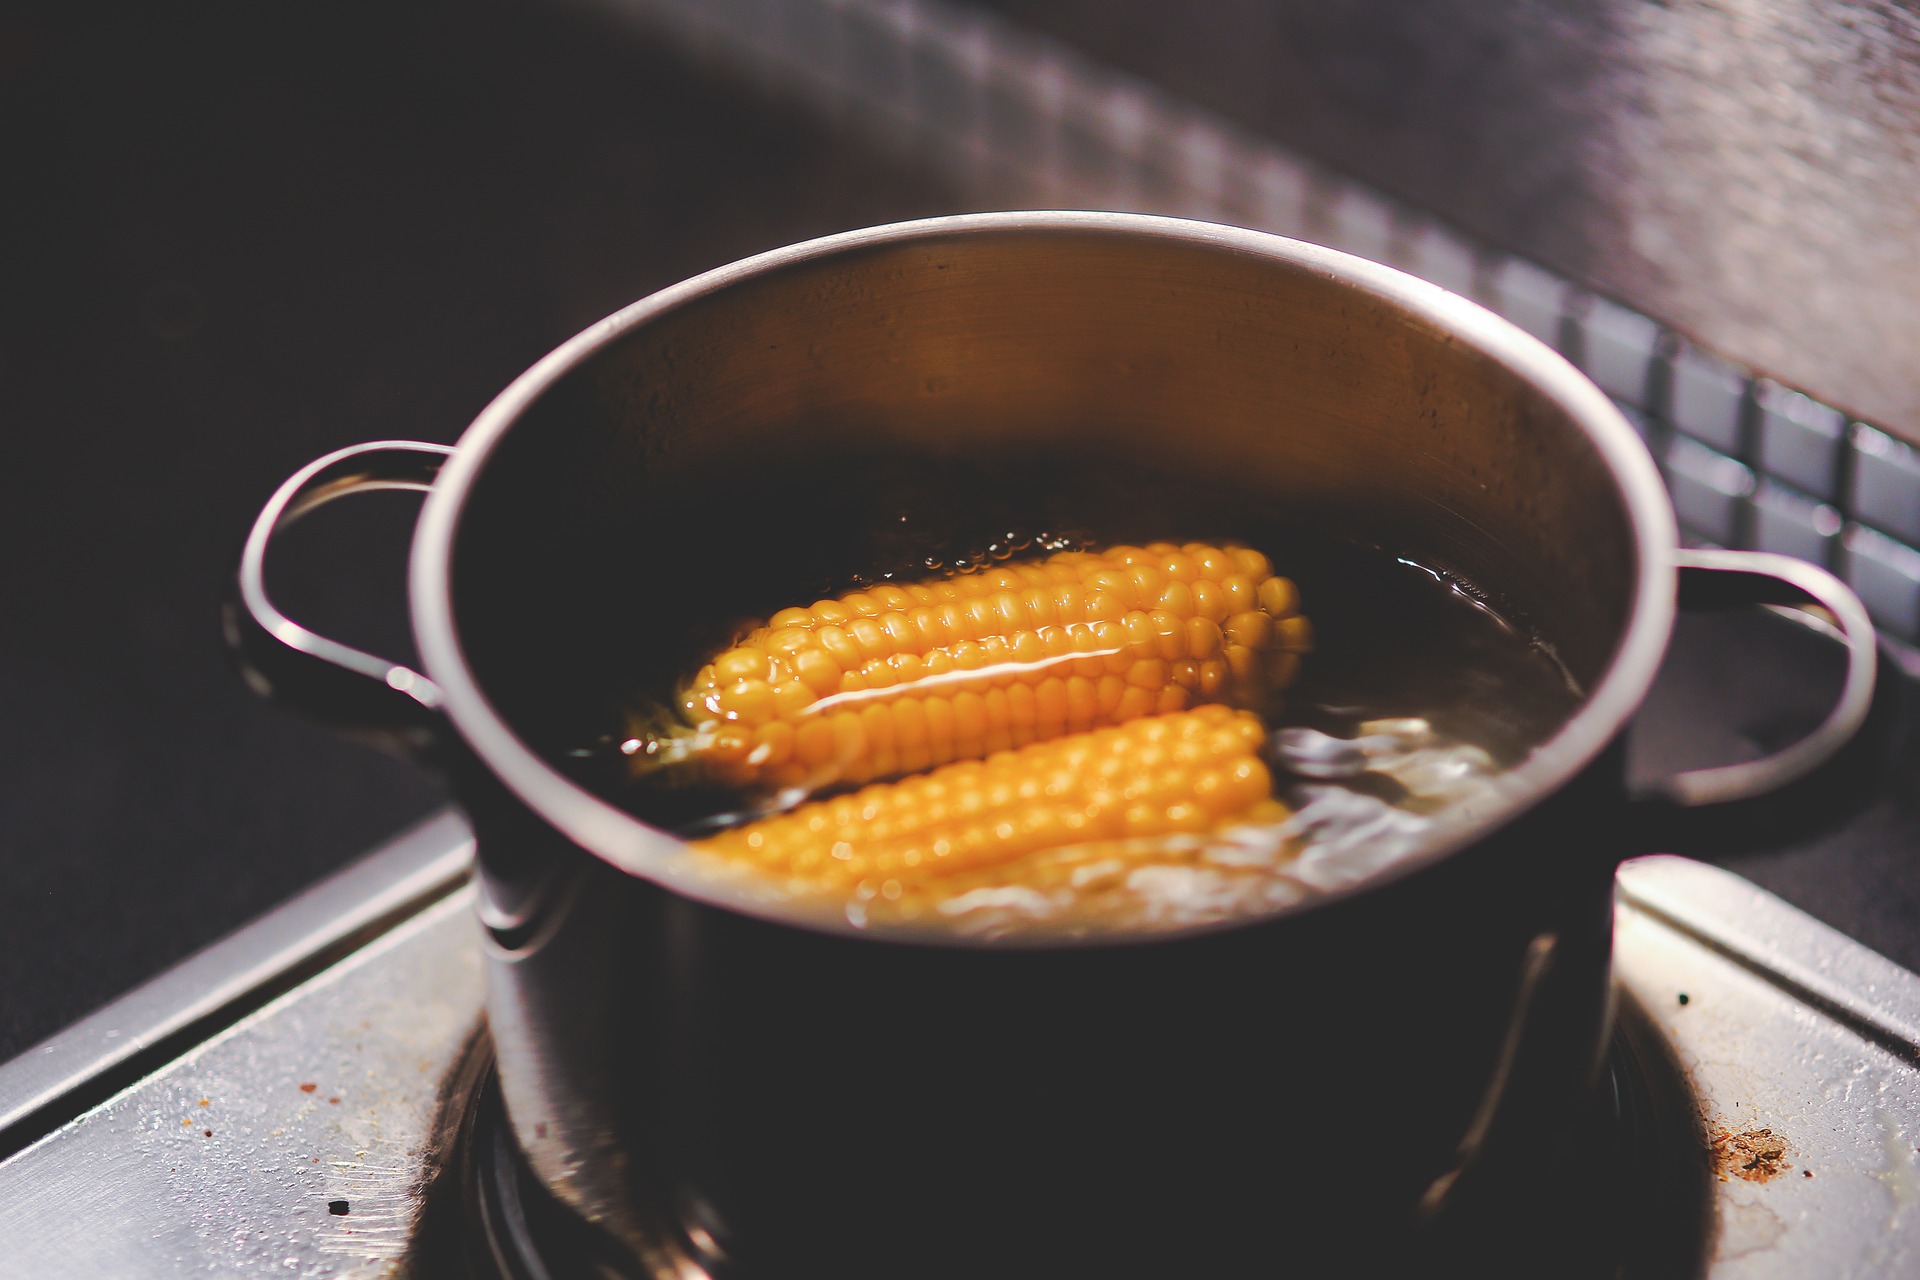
point(896, 679)
point(1031, 817)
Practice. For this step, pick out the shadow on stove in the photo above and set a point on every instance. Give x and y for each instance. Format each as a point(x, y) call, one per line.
point(1626, 1194)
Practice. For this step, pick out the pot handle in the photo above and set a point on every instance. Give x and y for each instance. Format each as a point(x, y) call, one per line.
point(1713, 579)
point(284, 661)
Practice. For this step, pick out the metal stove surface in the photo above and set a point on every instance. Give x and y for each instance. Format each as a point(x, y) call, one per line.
point(274, 1105)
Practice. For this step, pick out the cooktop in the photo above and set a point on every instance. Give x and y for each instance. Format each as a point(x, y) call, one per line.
point(228, 262)
point(251, 237)
point(309, 1097)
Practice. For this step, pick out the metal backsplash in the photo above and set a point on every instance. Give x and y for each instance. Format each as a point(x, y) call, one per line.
point(1021, 120)
point(1743, 169)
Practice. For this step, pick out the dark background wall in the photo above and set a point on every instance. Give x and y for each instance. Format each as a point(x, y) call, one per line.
point(232, 238)
point(1746, 170)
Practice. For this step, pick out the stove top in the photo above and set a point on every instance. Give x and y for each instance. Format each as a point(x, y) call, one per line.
point(292, 1099)
point(309, 1098)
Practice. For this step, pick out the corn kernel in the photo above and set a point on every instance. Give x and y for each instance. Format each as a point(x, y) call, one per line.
point(743, 664)
point(749, 701)
point(1278, 597)
point(1252, 629)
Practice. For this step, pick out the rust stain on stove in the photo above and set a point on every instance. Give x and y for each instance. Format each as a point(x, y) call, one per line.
point(1751, 1155)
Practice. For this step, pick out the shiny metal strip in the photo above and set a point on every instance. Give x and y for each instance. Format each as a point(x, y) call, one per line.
point(295, 1142)
point(1816, 964)
point(55, 1080)
point(1794, 1041)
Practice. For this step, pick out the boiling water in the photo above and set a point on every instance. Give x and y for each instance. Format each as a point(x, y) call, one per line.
point(1419, 696)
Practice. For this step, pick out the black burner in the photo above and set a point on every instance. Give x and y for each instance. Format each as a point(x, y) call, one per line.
point(1627, 1194)
point(485, 1216)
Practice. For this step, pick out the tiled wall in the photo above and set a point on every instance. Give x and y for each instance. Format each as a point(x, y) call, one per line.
point(1023, 122)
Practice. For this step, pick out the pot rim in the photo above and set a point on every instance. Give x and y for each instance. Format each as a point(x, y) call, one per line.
point(636, 848)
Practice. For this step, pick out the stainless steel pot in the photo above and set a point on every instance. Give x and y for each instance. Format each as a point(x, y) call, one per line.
point(708, 1085)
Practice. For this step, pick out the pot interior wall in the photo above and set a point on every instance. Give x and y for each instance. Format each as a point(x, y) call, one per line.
point(724, 457)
